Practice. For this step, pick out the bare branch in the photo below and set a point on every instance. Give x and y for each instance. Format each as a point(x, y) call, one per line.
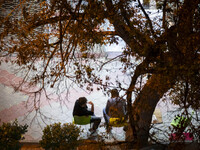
point(148, 19)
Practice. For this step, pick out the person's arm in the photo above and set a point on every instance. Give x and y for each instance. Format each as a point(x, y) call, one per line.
point(92, 106)
point(107, 106)
point(86, 112)
point(125, 110)
point(125, 107)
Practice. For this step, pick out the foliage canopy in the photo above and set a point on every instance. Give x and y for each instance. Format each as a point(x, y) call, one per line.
point(62, 34)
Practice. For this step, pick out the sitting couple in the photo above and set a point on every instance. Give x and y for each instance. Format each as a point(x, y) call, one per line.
point(115, 108)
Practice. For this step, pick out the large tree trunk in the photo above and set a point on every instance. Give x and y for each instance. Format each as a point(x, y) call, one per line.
point(144, 106)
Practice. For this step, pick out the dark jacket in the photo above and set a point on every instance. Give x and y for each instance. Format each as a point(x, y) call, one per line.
point(81, 111)
point(116, 107)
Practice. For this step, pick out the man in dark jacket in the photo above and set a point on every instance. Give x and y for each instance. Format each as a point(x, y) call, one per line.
point(81, 109)
point(115, 108)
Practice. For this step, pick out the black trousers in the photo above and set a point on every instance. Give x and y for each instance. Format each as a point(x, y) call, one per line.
point(96, 121)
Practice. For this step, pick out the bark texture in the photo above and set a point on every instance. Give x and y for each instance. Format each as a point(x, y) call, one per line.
point(144, 106)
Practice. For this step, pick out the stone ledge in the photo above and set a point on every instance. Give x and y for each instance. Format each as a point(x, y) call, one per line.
point(118, 145)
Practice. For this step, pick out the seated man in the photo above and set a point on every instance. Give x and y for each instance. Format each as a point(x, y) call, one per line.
point(115, 108)
point(81, 109)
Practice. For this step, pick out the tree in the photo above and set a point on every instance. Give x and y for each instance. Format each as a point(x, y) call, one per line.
point(164, 50)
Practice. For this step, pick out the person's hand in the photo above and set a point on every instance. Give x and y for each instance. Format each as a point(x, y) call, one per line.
point(91, 103)
point(92, 106)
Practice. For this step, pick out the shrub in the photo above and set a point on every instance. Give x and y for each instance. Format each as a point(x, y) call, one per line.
point(57, 136)
point(11, 134)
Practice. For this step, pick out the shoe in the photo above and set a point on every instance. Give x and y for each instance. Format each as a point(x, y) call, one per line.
point(108, 129)
point(125, 128)
point(92, 131)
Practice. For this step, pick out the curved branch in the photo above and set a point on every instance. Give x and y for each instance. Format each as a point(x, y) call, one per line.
point(148, 19)
point(164, 15)
point(123, 30)
point(139, 71)
point(109, 61)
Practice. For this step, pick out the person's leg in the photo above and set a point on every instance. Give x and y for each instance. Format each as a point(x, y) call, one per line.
point(107, 120)
point(106, 117)
point(96, 121)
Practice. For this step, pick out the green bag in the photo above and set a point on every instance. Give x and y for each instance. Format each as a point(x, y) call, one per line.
point(180, 121)
point(81, 120)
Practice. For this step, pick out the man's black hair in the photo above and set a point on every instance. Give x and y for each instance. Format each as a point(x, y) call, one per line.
point(114, 93)
point(82, 100)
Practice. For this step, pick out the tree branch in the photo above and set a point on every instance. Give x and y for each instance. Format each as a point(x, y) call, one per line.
point(164, 15)
point(148, 19)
